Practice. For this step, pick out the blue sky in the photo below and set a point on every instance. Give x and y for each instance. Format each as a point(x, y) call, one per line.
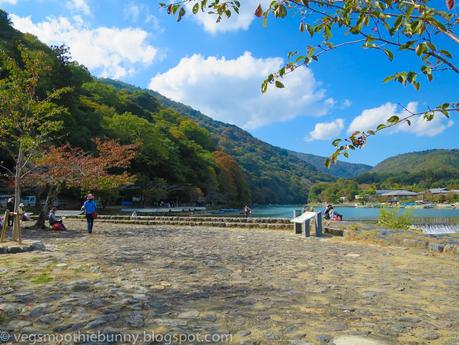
point(218, 69)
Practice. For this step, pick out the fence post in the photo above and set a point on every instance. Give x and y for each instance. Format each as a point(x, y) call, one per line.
point(318, 224)
point(297, 226)
point(307, 228)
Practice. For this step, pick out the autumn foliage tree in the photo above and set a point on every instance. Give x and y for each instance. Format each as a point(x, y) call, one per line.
point(233, 186)
point(72, 167)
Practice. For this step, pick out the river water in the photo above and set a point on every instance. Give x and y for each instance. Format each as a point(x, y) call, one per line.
point(352, 213)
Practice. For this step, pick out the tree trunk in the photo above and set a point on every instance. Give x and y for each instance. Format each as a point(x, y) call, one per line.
point(17, 180)
point(41, 221)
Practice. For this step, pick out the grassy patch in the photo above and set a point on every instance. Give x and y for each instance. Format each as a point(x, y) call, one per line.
point(42, 279)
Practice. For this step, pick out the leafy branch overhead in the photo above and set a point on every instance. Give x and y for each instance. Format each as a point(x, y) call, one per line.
point(424, 29)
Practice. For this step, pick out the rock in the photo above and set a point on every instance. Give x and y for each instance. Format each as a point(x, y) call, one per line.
point(38, 310)
point(431, 336)
point(15, 250)
point(352, 255)
point(359, 340)
point(339, 326)
point(324, 338)
point(11, 308)
point(3, 270)
point(191, 314)
point(171, 322)
point(48, 319)
point(18, 325)
point(243, 333)
point(299, 342)
point(80, 285)
point(135, 320)
point(101, 321)
point(38, 246)
point(67, 327)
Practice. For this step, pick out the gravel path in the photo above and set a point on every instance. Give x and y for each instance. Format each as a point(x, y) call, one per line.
point(259, 286)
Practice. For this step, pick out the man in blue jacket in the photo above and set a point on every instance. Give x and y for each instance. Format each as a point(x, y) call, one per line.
point(90, 209)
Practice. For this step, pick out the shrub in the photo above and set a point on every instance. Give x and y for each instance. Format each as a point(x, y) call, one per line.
point(391, 218)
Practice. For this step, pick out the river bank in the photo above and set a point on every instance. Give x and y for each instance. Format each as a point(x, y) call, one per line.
point(259, 286)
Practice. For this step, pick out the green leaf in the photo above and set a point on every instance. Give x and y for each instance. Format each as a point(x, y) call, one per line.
point(389, 54)
point(393, 119)
point(279, 84)
point(336, 142)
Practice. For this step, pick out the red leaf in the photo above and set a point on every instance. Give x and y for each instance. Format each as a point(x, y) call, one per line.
point(259, 11)
point(450, 4)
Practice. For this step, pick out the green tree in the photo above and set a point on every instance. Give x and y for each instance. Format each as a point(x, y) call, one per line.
point(393, 27)
point(29, 116)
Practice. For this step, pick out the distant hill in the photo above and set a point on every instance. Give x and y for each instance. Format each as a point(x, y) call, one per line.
point(340, 169)
point(419, 161)
point(275, 175)
point(415, 171)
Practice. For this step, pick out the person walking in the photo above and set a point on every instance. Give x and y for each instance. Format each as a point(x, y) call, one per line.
point(90, 209)
point(247, 211)
point(10, 207)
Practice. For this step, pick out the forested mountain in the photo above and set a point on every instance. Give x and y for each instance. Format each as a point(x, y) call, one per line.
point(340, 169)
point(275, 175)
point(420, 161)
point(183, 155)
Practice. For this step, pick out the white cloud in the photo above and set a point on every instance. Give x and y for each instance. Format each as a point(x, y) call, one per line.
point(229, 90)
point(239, 21)
point(132, 11)
point(371, 118)
point(9, 2)
point(326, 130)
point(78, 6)
point(108, 52)
point(141, 12)
point(346, 104)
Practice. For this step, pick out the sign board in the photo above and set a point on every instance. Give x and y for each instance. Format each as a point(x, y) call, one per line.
point(304, 217)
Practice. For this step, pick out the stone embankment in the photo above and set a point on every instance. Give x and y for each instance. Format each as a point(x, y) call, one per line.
point(220, 222)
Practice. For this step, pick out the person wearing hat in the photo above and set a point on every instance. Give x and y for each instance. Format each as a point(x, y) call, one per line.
point(90, 209)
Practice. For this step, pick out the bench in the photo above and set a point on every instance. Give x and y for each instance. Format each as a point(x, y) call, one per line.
point(302, 222)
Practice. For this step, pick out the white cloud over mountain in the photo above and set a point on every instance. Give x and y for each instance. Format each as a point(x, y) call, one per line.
point(326, 130)
point(371, 118)
point(107, 52)
point(229, 90)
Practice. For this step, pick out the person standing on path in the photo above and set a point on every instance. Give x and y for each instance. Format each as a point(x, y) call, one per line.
point(90, 209)
point(10, 207)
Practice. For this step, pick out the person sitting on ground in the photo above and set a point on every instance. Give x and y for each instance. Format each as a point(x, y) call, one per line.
point(329, 212)
point(55, 222)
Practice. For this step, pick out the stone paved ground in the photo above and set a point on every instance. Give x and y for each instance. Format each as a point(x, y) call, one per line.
point(262, 287)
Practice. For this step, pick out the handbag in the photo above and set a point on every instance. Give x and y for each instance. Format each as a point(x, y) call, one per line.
point(94, 214)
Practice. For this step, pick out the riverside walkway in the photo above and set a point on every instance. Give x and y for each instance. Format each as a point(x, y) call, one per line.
point(259, 286)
